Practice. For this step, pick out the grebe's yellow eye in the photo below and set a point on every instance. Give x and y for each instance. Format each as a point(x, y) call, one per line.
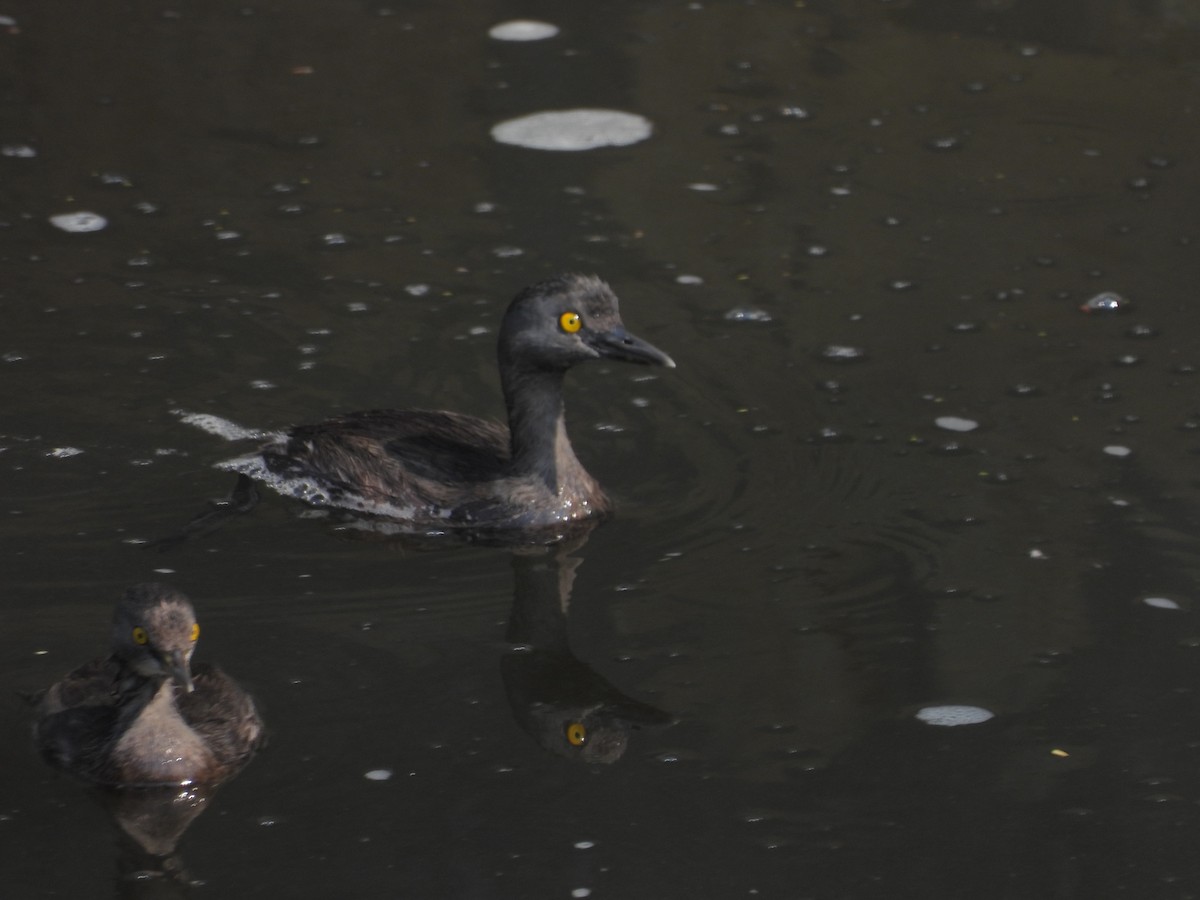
point(140, 636)
point(576, 734)
point(195, 630)
point(570, 322)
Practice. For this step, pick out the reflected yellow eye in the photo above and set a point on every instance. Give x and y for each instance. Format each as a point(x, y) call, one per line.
point(140, 636)
point(570, 322)
point(195, 630)
point(576, 734)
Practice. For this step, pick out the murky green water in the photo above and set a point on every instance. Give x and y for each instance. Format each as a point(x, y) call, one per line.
point(852, 220)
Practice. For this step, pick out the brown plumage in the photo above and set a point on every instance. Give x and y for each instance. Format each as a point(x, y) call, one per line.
point(144, 716)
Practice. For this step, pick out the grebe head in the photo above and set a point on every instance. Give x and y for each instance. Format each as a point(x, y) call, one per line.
point(566, 320)
point(155, 632)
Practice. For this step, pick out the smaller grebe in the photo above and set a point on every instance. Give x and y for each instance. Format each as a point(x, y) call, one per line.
point(448, 470)
point(145, 716)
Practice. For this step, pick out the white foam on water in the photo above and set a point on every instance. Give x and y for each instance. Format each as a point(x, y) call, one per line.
point(1161, 603)
point(951, 716)
point(574, 129)
point(955, 423)
point(522, 30)
point(80, 222)
point(222, 428)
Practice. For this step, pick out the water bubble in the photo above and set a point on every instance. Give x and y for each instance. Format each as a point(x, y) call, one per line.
point(63, 452)
point(1142, 331)
point(80, 222)
point(689, 279)
point(1118, 450)
point(18, 151)
point(378, 775)
point(522, 30)
point(951, 716)
point(574, 129)
point(1106, 301)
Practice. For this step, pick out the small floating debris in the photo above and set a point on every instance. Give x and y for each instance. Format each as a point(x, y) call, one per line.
point(688, 279)
point(951, 716)
point(1118, 450)
point(63, 452)
point(573, 129)
point(842, 353)
point(955, 423)
point(747, 314)
point(1161, 603)
point(1060, 753)
point(1105, 302)
point(18, 151)
point(80, 222)
point(522, 30)
point(378, 775)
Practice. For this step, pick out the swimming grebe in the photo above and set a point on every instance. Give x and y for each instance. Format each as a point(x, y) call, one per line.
point(449, 470)
point(145, 716)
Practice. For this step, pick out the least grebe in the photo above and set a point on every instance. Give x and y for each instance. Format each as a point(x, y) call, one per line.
point(446, 469)
point(145, 716)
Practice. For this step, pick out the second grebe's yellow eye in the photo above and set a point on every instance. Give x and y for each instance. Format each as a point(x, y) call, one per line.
point(576, 734)
point(195, 630)
point(570, 322)
point(140, 636)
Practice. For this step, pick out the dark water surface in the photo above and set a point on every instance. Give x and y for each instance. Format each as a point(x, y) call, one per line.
point(882, 213)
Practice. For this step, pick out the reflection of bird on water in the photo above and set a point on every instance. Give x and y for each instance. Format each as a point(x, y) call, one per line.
point(446, 470)
point(144, 716)
point(150, 823)
point(560, 701)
